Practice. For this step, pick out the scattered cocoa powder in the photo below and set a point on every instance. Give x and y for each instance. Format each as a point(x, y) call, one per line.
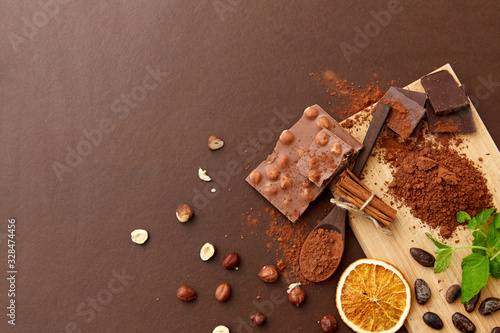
point(348, 98)
point(321, 254)
point(434, 180)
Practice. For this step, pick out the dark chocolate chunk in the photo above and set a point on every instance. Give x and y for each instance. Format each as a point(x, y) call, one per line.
point(444, 92)
point(456, 122)
point(419, 97)
point(405, 114)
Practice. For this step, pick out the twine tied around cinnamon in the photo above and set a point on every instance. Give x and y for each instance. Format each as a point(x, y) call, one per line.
point(361, 199)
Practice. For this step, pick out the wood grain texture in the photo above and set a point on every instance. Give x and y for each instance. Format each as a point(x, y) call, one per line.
point(408, 231)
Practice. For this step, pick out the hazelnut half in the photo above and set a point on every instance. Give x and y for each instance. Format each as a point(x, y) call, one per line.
point(223, 292)
point(184, 213)
point(230, 260)
point(285, 182)
point(286, 137)
point(336, 148)
point(272, 173)
point(269, 274)
point(322, 138)
point(310, 112)
point(186, 294)
point(207, 251)
point(139, 236)
point(258, 319)
point(221, 329)
point(255, 177)
point(323, 122)
point(215, 143)
point(297, 296)
point(329, 324)
point(282, 161)
point(270, 189)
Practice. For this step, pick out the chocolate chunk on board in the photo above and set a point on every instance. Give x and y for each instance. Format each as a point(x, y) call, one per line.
point(457, 122)
point(405, 114)
point(444, 93)
point(278, 179)
point(325, 157)
point(419, 97)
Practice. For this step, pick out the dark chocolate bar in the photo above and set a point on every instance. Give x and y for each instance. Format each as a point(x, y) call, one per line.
point(456, 122)
point(444, 93)
point(278, 179)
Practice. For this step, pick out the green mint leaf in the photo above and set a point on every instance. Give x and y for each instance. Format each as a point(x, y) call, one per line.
point(473, 224)
point(493, 236)
point(483, 216)
point(462, 217)
point(475, 273)
point(438, 244)
point(479, 240)
point(443, 260)
point(495, 268)
point(496, 221)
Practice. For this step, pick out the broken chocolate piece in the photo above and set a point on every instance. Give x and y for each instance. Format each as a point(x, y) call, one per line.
point(444, 93)
point(283, 185)
point(324, 158)
point(405, 114)
point(456, 122)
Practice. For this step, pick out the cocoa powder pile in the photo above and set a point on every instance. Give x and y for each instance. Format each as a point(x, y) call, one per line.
point(321, 254)
point(434, 180)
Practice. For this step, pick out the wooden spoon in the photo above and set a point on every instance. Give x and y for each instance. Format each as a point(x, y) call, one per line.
point(336, 219)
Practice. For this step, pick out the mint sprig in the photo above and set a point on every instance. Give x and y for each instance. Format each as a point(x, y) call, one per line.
point(483, 261)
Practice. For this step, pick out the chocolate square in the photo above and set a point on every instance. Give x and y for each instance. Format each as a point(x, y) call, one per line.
point(444, 93)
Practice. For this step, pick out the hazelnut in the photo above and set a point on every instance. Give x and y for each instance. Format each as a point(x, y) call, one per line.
point(282, 161)
point(307, 195)
point(321, 138)
point(223, 292)
point(297, 296)
point(186, 294)
point(286, 137)
point(336, 148)
point(329, 324)
point(207, 251)
point(310, 112)
point(306, 183)
point(302, 151)
point(139, 236)
point(323, 122)
point(215, 143)
point(184, 213)
point(221, 329)
point(258, 319)
point(255, 177)
point(272, 173)
point(287, 201)
point(230, 260)
point(313, 163)
point(268, 274)
point(270, 189)
point(314, 175)
point(285, 182)
point(203, 175)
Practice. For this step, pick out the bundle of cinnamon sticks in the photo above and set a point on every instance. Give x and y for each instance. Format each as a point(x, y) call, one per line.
point(351, 189)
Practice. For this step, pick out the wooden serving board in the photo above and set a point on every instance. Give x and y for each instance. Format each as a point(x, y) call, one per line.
point(395, 248)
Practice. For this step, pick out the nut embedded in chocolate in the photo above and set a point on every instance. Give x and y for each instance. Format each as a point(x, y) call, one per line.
point(286, 137)
point(270, 189)
point(255, 177)
point(321, 138)
point(336, 148)
point(323, 122)
point(230, 260)
point(282, 161)
point(307, 195)
point(311, 112)
point(314, 175)
point(313, 163)
point(186, 294)
point(215, 143)
point(285, 182)
point(272, 173)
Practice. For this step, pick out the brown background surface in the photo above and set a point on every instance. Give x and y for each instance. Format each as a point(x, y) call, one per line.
point(232, 67)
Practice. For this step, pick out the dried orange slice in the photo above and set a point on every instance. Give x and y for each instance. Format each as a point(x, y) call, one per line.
point(373, 296)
